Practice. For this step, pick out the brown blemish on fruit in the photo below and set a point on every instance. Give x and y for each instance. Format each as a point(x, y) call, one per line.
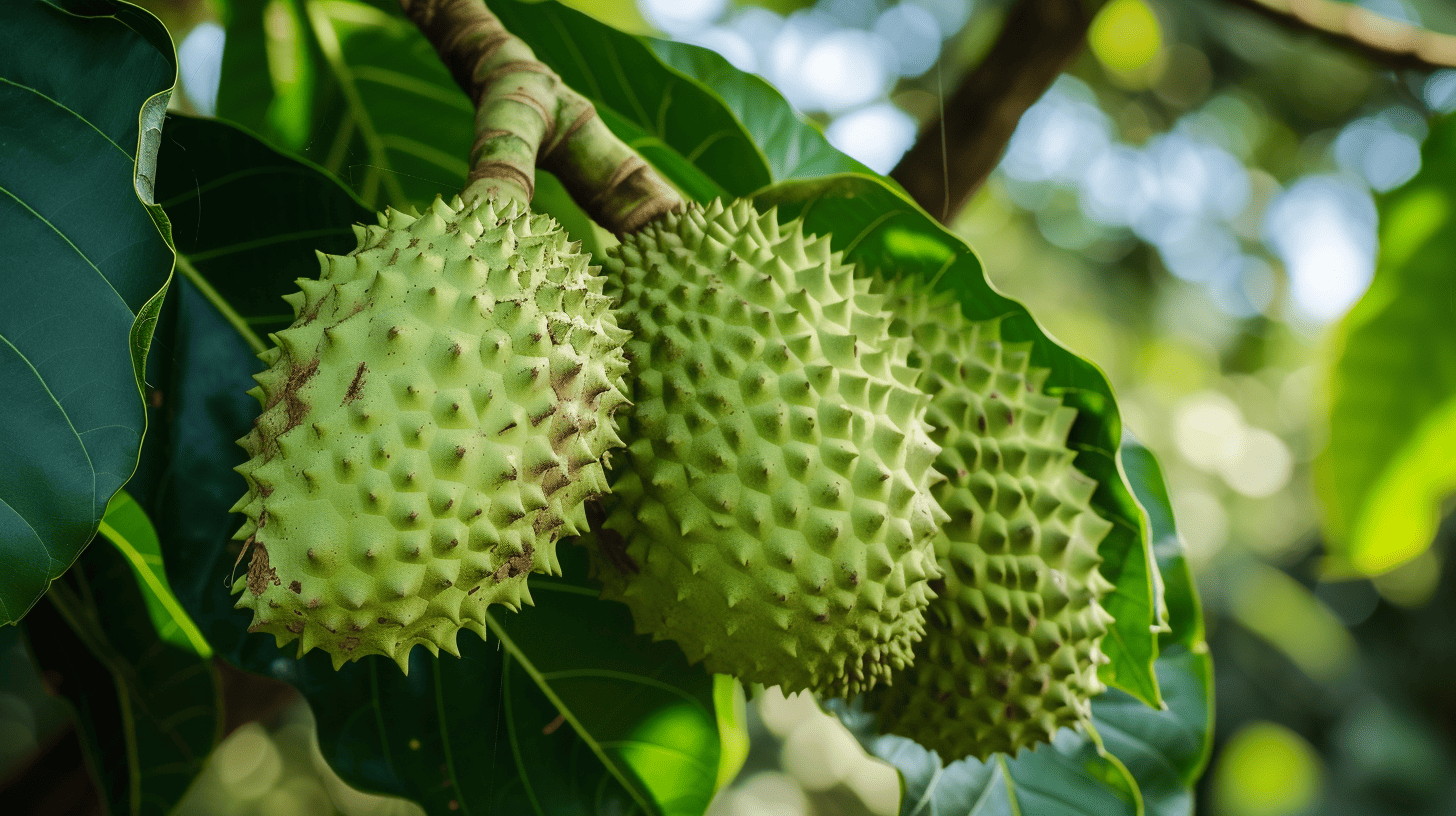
point(553, 481)
point(561, 382)
point(541, 417)
point(298, 377)
point(356, 388)
point(545, 523)
point(518, 564)
point(260, 575)
point(296, 587)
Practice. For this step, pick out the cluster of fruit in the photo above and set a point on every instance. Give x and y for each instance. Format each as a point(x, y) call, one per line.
point(829, 481)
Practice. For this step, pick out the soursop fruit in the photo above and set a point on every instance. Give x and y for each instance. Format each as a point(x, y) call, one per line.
point(772, 512)
point(431, 424)
point(1012, 642)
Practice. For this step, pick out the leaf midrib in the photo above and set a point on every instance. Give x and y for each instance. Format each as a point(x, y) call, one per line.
point(566, 711)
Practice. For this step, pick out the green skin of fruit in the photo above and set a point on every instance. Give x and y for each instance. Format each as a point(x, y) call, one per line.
point(772, 512)
point(432, 423)
point(1012, 641)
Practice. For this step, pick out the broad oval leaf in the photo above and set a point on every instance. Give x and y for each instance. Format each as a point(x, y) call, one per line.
point(1387, 469)
point(247, 220)
point(82, 91)
point(564, 709)
point(880, 230)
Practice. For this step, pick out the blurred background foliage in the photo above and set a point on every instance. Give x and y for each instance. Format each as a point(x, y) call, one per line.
point(1199, 204)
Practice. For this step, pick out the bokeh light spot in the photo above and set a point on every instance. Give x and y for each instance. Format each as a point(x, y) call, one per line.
point(1125, 36)
point(1267, 770)
point(876, 135)
point(199, 62)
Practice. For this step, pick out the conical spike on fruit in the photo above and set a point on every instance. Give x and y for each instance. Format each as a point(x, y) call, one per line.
point(1012, 651)
point(406, 403)
point(687, 548)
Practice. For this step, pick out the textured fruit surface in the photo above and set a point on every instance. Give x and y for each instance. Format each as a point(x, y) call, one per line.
point(1012, 641)
point(432, 422)
point(772, 512)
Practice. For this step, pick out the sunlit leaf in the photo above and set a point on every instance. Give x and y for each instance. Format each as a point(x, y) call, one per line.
point(128, 529)
point(1387, 468)
point(793, 147)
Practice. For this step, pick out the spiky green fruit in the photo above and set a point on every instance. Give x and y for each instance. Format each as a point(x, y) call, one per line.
point(772, 512)
point(1012, 641)
point(432, 422)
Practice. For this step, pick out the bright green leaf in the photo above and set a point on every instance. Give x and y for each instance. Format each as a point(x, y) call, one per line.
point(128, 529)
point(1387, 468)
point(793, 147)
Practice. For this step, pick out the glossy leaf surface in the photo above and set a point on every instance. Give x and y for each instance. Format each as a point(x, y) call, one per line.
point(82, 91)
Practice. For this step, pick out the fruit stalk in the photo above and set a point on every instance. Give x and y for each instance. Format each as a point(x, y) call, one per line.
point(526, 116)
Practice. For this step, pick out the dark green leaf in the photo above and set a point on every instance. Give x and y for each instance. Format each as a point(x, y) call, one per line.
point(1165, 750)
point(246, 219)
point(1067, 778)
point(1185, 615)
point(148, 712)
point(1387, 468)
point(881, 231)
point(638, 727)
point(81, 97)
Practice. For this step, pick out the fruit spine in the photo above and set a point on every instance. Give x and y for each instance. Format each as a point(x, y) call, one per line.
point(432, 422)
point(1012, 643)
point(772, 512)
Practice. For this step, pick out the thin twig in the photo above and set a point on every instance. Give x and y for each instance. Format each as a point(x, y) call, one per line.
point(1390, 43)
